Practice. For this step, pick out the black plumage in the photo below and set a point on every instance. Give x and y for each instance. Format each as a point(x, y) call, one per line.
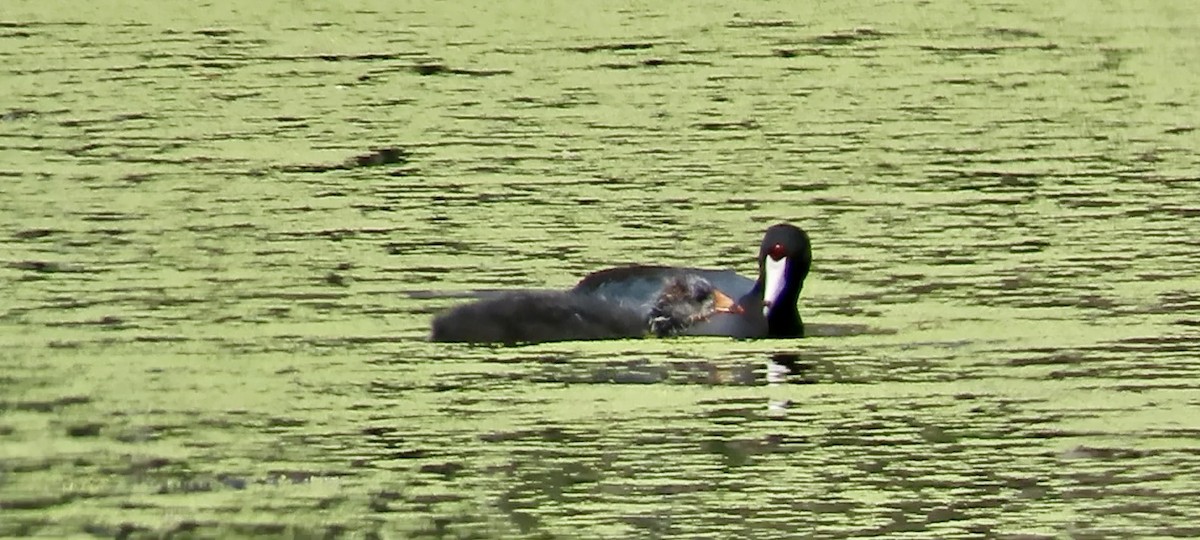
point(542, 316)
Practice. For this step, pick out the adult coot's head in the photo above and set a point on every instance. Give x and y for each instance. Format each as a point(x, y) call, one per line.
point(783, 262)
point(685, 300)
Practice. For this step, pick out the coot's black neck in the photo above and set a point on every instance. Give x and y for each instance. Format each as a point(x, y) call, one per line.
point(784, 321)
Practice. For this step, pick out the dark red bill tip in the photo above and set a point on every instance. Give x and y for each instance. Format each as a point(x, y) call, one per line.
point(777, 252)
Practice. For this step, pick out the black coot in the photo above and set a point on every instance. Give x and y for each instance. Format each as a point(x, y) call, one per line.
point(540, 316)
point(784, 258)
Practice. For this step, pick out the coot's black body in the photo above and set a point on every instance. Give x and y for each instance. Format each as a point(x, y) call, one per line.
point(542, 316)
point(770, 302)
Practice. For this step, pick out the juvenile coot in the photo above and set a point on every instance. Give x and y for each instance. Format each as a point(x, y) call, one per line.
point(541, 316)
point(784, 259)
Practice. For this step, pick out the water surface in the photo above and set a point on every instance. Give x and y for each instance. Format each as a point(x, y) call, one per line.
point(222, 224)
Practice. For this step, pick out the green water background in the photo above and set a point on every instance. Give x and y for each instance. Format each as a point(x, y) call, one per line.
point(214, 310)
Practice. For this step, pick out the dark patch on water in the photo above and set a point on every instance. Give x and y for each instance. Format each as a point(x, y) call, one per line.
point(47, 405)
point(438, 68)
point(13, 115)
point(740, 22)
point(47, 267)
point(650, 62)
point(619, 46)
point(89, 429)
point(848, 37)
point(1015, 33)
point(377, 157)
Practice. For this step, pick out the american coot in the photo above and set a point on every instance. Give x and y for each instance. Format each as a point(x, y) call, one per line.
point(770, 303)
point(539, 316)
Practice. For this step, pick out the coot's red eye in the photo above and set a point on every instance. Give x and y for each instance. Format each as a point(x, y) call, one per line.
point(777, 252)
